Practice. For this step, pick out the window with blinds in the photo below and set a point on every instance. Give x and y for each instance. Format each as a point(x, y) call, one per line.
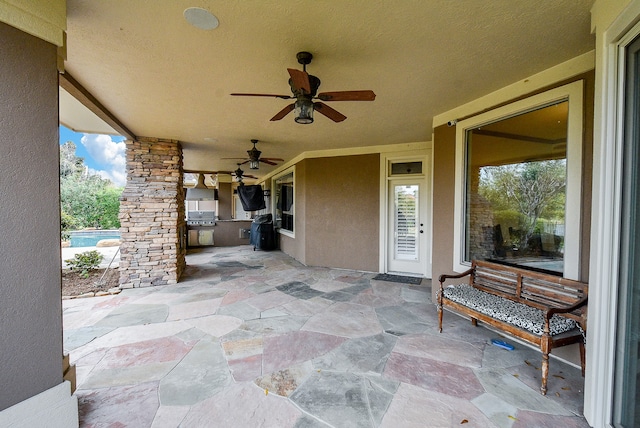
point(406, 222)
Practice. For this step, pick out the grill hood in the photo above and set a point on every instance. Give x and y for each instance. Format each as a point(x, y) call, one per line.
point(201, 192)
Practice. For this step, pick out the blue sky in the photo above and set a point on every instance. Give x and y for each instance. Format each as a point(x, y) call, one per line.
point(103, 154)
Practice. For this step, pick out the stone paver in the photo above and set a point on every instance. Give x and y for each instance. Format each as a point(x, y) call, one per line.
point(255, 339)
point(199, 375)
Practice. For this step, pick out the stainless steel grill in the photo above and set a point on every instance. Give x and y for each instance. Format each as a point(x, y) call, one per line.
point(201, 218)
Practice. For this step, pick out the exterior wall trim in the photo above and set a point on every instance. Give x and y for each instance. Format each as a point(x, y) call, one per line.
point(611, 35)
point(566, 70)
point(45, 19)
point(392, 148)
point(53, 408)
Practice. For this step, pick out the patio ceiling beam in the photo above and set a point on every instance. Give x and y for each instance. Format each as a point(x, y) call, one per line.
point(76, 90)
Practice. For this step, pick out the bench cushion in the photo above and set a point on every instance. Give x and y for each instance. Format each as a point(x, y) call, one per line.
point(517, 314)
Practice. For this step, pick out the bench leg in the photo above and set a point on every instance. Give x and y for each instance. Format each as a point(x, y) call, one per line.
point(545, 373)
point(545, 347)
point(474, 322)
point(440, 309)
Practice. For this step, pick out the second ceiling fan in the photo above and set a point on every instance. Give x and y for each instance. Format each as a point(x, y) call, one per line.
point(304, 87)
point(254, 158)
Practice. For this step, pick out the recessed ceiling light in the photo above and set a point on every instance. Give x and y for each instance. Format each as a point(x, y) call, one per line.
point(210, 140)
point(200, 18)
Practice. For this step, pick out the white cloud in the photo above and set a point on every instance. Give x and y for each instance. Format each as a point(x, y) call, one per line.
point(108, 154)
point(119, 178)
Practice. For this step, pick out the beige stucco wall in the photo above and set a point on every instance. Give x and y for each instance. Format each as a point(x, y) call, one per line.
point(342, 212)
point(337, 216)
point(444, 150)
point(30, 285)
point(225, 196)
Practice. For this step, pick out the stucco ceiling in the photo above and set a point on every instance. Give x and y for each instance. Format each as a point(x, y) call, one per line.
point(162, 77)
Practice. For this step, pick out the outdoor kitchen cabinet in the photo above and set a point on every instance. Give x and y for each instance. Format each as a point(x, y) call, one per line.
point(200, 237)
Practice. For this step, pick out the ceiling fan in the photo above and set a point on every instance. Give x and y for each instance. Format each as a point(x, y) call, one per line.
point(304, 87)
point(254, 158)
point(238, 173)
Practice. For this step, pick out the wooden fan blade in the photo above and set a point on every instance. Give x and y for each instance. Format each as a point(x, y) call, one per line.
point(268, 162)
point(282, 113)
point(300, 80)
point(347, 96)
point(332, 114)
point(284, 97)
point(274, 159)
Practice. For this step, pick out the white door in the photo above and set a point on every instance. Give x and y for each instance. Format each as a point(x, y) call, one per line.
point(407, 251)
point(240, 213)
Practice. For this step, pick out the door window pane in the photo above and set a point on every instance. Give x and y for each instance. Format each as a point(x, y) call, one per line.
point(406, 222)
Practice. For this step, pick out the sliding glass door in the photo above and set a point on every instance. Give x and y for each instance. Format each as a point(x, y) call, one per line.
point(627, 376)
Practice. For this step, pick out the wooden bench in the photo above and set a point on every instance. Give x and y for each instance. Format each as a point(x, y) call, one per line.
point(544, 310)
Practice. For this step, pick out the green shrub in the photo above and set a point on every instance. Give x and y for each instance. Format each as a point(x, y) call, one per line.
point(67, 223)
point(85, 262)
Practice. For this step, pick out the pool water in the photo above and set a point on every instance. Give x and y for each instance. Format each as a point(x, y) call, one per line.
point(90, 238)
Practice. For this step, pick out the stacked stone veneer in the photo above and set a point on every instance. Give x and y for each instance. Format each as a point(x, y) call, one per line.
point(152, 224)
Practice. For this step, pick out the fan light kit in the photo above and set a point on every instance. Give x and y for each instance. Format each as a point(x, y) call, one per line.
point(254, 156)
point(304, 87)
point(239, 174)
point(304, 111)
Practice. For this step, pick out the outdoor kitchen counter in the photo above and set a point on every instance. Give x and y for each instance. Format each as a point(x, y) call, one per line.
point(226, 233)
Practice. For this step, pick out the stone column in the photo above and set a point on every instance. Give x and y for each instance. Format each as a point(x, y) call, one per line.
point(152, 223)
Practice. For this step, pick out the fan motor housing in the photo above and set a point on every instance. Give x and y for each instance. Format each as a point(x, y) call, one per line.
point(314, 83)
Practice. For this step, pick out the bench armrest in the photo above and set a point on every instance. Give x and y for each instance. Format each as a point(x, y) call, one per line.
point(577, 305)
point(442, 278)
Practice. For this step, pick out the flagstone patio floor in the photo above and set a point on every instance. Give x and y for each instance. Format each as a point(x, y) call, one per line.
point(256, 339)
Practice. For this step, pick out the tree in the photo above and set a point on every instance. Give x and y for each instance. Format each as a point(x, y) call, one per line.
point(87, 200)
point(70, 164)
point(530, 188)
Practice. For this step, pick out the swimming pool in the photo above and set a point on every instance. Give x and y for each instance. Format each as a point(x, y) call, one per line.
point(89, 238)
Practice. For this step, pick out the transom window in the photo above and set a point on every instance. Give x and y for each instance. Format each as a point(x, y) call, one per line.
point(406, 168)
